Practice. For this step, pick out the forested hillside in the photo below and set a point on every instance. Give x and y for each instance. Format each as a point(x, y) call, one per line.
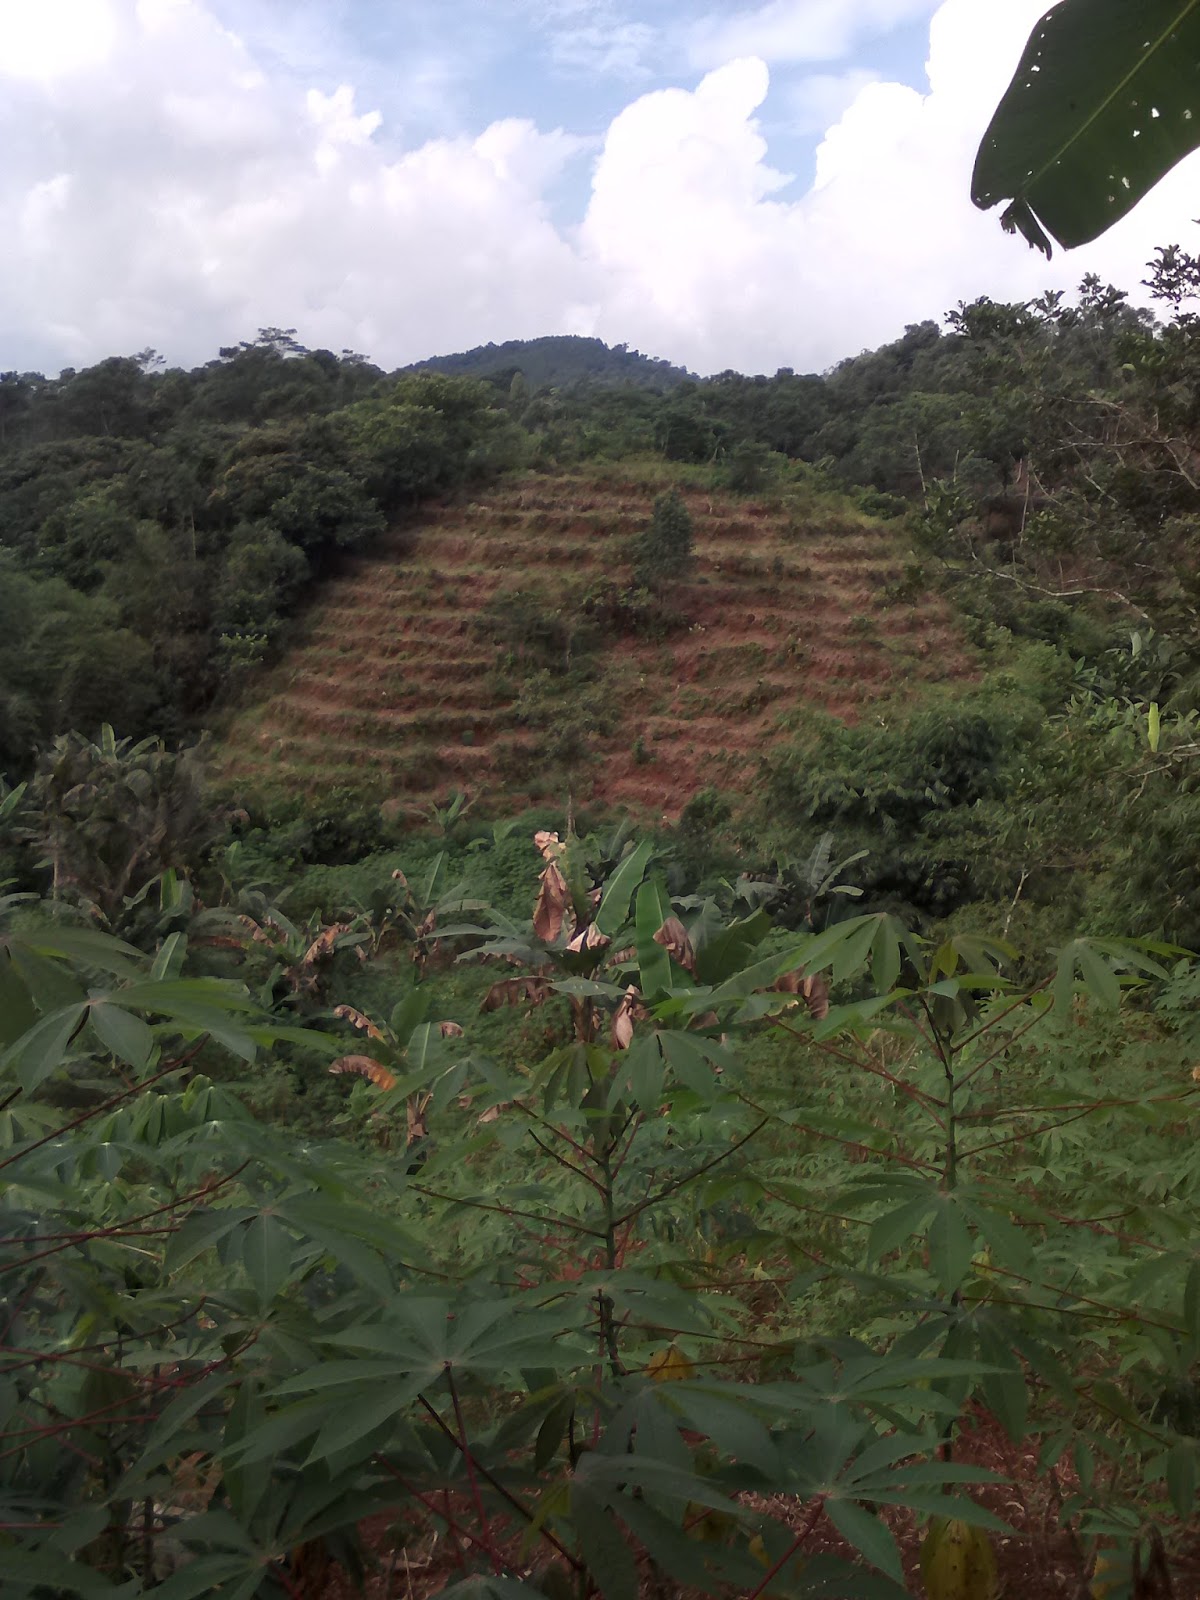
point(597, 990)
point(555, 362)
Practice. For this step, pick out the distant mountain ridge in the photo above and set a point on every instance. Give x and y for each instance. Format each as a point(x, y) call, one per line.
point(556, 361)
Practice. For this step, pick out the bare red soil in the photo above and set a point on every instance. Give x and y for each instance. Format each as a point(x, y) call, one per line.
point(392, 685)
point(1039, 1559)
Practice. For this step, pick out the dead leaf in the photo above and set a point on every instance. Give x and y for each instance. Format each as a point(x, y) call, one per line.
point(366, 1067)
point(417, 1106)
point(674, 940)
point(451, 1030)
point(669, 1366)
point(322, 947)
point(516, 992)
point(357, 1020)
point(399, 878)
point(589, 938)
point(550, 845)
point(550, 912)
point(630, 1011)
point(814, 992)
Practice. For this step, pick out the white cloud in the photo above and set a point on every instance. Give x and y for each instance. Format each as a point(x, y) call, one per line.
point(618, 49)
point(797, 30)
point(818, 100)
point(165, 184)
point(54, 38)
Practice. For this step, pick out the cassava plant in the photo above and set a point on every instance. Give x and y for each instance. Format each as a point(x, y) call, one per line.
point(671, 1316)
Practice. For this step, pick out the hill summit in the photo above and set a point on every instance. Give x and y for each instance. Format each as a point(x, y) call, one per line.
point(556, 361)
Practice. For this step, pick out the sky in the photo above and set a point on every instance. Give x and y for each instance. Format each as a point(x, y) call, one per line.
point(774, 183)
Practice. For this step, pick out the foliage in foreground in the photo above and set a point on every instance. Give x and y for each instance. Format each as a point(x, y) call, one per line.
point(612, 1304)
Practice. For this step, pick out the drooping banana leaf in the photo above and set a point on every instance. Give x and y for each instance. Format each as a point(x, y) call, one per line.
point(1105, 101)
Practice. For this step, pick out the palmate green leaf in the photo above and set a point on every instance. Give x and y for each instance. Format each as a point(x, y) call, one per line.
point(17, 1010)
point(360, 1417)
point(694, 1060)
point(166, 1437)
point(1009, 1245)
point(267, 1256)
point(30, 1572)
point(728, 949)
point(88, 947)
point(895, 1228)
point(1006, 1392)
point(371, 1246)
point(490, 1586)
point(1097, 976)
point(610, 1478)
point(951, 1245)
point(1104, 102)
point(41, 1051)
point(229, 1577)
point(646, 1068)
point(1181, 1477)
point(692, 1562)
point(728, 1420)
point(436, 1333)
point(120, 1033)
point(870, 1537)
point(606, 1551)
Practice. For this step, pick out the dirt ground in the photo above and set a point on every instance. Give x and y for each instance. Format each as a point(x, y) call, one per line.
point(1039, 1561)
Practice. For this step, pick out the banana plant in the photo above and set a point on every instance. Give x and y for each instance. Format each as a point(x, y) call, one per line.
point(397, 1056)
point(1102, 106)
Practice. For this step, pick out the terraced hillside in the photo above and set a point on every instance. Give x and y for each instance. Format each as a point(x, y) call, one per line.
point(411, 677)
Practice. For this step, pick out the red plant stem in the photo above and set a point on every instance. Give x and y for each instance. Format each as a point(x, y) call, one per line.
point(469, 1463)
point(688, 1177)
point(997, 1020)
point(559, 1133)
point(927, 1102)
point(508, 1211)
point(569, 1165)
point(123, 1229)
point(633, 1125)
point(51, 1430)
point(104, 1344)
point(1079, 1105)
point(522, 1511)
point(1000, 1049)
point(281, 1573)
point(793, 1549)
point(454, 1527)
point(105, 1105)
point(853, 1144)
point(19, 1308)
point(1102, 1312)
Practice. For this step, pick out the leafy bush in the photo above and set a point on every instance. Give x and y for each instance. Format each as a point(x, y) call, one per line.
point(664, 552)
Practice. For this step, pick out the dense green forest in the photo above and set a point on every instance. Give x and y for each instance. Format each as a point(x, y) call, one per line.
point(795, 1199)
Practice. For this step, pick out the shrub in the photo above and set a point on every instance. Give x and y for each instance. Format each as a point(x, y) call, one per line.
point(664, 551)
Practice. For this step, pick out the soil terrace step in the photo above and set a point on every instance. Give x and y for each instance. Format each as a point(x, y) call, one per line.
point(394, 679)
